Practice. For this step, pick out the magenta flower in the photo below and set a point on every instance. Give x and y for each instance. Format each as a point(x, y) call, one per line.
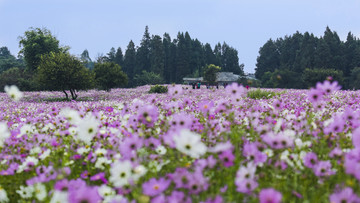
point(310, 160)
point(345, 195)
point(323, 168)
point(227, 158)
point(155, 187)
point(270, 195)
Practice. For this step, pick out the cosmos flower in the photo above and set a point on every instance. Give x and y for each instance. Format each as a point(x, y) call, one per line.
point(155, 187)
point(120, 173)
point(4, 133)
point(3, 195)
point(270, 195)
point(190, 143)
point(13, 92)
point(87, 128)
point(345, 195)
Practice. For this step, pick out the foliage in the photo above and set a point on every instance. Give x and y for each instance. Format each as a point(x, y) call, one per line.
point(61, 71)
point(261, 94)
point(210, 73)
point(355, 78)
point(8, 61)
point(292, 55)
point(148, 78)
point(158, 89)
point(313, 76)
point(19, 77)
point(37, 42)
point(109, 75)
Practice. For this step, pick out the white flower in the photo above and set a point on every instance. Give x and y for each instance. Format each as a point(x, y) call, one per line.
point(190, 143)
point(45, 154)
point(100, 152)
point(120, 173)
point(3, 195)
point(82, 150)
point(101, 162)
point(4, 133)
point(26, 129)
point(71, 115)
point(25, 164)
point(35, 151)
point(25, 192)
point(59, 197)
point(87, 128)
point(13, 92)
point(105, 190)
point(160, 150)
point(138, 172)
point(40, 191)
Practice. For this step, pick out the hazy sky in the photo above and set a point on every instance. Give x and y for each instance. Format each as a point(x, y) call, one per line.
point(246, 25)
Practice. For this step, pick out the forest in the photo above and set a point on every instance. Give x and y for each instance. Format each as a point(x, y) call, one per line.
point(156, 60)
point(300, 60)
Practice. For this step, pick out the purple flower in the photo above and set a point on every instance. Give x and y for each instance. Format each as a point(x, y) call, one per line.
point(227, 158)
point(246, 186)
point(310, 160)
point(323, 168)
point(84, 194)
point(155, 187)
point(270, 195)
point(345, 195)
point(252, 153)
point(315, 95)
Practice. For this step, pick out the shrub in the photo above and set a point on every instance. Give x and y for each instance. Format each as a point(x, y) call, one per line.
point(261, 94)
point(158, 89)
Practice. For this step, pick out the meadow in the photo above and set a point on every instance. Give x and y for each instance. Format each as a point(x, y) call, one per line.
point(187, 145)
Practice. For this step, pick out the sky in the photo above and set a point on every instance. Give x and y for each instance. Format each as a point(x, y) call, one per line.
point(98, 25)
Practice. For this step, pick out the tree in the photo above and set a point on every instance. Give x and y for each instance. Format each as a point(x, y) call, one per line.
point(130, 61)
point(157, 55)
point(355, 78)
point(312, 76)
point(143, 53)
point(119, 58)
point(37, 42)
point(8, 61)
point(85, 58)
point(109, 75)
point(148, 78)
point(19, 77)
point(61, 71)
point(210, 73)
point(268, 60)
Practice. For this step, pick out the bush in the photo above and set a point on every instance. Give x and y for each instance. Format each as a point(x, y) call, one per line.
point(158, 89)
point(261, 94)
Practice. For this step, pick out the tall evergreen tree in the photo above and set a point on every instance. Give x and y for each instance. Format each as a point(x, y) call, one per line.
point(119, 57)
point(143, 53)
point(268, 60)
point(157, 55)
point(130, 61)
point(210, 57)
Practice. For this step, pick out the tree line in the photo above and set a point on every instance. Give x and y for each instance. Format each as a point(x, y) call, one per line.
point(42, 64)
point(301, 60)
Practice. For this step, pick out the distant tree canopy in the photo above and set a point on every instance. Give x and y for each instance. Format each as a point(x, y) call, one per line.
point(210, 73)
point(295, 58)
point(109, 75)
point(61, 71)
point(37, 42)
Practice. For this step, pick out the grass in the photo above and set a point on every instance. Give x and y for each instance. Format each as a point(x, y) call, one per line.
point(262, 94)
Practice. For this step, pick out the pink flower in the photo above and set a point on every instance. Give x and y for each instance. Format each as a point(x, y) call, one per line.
point(155, 187)
point(270, 195)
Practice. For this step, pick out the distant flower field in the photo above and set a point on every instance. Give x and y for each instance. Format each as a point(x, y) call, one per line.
point(188, 145)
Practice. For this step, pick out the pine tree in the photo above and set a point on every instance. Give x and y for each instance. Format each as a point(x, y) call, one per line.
point(157, 55)
point(130, 61)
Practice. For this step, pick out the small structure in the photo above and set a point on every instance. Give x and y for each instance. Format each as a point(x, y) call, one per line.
point(190, 81)
point(226, 78)
point(221, 79)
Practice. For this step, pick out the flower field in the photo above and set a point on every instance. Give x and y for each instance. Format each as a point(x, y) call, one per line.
point(188, 145)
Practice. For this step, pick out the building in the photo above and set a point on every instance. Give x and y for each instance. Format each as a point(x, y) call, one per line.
point(221, 78)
